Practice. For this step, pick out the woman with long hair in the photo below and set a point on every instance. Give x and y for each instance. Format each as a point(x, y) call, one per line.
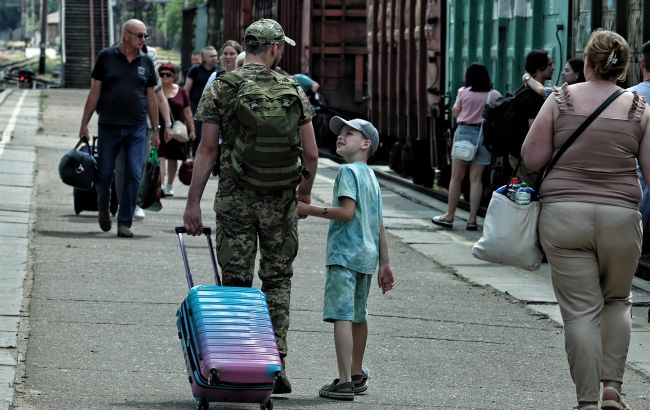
point(468, 110)
point(589, 226)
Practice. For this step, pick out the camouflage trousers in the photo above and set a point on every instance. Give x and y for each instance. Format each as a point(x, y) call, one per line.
point(243, 219)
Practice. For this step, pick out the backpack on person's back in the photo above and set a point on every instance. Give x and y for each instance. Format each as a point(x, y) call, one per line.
point(267, 151)
point(504, 128)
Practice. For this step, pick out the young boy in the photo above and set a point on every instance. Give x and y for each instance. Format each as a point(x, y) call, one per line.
point(356, 242)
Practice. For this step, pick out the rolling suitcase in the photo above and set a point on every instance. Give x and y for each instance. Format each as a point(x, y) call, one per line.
point(227, 340)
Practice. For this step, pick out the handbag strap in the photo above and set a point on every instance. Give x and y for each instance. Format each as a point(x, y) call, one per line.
point(574, 136)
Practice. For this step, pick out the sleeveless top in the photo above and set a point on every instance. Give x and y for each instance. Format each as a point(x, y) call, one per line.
point(600, 166)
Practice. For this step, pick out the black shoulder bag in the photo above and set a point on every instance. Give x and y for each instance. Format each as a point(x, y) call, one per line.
point(573, 137)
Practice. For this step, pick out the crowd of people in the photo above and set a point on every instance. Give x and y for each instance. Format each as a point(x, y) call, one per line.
point(590, 226)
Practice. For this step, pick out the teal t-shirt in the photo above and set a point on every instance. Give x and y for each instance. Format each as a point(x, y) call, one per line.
point(355, 244)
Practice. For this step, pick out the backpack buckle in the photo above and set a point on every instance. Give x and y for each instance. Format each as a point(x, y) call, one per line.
point(254, 105)
point(285, 103)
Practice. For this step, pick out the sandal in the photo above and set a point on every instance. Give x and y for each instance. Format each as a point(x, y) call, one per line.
point(437, 220)
point(337, 391)
point(360, 381)
point(471, 227)
point(618, 404)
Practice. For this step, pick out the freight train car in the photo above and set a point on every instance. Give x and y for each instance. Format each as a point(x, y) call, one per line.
point(500, 34)
point(399, 63)
point(331, 46)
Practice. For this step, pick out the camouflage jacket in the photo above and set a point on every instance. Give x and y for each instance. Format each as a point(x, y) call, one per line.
point(217, 106)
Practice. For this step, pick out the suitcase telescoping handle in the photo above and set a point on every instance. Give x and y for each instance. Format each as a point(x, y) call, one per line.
point(180, 231)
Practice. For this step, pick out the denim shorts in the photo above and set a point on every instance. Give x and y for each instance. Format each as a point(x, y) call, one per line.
point(471, 134)
point(346, 294)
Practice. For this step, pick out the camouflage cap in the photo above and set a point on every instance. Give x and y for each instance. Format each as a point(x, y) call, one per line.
point(265, 31)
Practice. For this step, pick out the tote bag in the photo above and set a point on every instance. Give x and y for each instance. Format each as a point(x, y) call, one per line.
point(510, 234)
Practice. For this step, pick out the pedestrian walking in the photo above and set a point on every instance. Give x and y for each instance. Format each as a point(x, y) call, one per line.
point(122, 92)
point(229, 52)
point(256, 199)
point(356, 245)
point(171, 150)
point(195, 59)
point(468, 110)
point(165, 118)
point(197, 77)
point(589, 226)
point(573, 73)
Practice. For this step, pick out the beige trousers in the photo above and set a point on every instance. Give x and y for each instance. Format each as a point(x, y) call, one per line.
point(593, 251)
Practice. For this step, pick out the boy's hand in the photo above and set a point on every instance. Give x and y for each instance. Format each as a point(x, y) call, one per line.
point(302, 209)
point(385, 278)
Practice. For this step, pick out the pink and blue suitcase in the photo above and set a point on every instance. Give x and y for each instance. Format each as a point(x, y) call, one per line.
point(227, 339)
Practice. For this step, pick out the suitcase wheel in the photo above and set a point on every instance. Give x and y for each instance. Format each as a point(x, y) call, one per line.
point(266, 405)
point(180, 336)
point(213, 380)
point(190, 379)
point(202, 404)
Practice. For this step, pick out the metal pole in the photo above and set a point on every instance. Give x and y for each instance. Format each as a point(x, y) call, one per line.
point(41, 60)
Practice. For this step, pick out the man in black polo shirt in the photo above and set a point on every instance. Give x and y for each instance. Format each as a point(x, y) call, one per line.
point(122, 92)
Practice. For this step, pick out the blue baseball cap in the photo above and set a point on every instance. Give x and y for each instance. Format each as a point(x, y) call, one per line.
point(368, 130)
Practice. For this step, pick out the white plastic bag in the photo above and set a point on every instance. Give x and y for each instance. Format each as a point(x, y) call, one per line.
point(510, 234)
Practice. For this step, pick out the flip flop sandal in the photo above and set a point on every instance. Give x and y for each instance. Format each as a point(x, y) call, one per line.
point(619, 404)
point(334, 390)
point(471, 227)
point(437, 220)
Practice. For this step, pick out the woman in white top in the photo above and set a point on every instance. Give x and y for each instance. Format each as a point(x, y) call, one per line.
point(468, 110)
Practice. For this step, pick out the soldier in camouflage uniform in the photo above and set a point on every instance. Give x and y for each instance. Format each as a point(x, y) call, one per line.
point(245, 216)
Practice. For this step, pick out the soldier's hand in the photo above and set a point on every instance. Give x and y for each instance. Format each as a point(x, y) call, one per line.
point(192, 220)
point(303, 210)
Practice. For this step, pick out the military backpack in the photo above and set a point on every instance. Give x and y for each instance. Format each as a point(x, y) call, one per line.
point(267, 151)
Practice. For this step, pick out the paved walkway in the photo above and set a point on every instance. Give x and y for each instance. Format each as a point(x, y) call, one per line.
point(96, 317)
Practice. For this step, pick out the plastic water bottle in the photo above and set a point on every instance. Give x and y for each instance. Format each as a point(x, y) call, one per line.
point(513, 186)
point(524, 194)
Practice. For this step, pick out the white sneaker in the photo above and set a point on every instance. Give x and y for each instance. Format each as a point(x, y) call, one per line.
point(138, 215)
point(167, 190)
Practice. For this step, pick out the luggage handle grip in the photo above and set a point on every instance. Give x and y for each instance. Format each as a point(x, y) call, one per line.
point(180, 231)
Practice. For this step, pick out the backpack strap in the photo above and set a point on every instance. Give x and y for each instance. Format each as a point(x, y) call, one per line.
point(231, 78)
point(563, 98)
point(637, 108)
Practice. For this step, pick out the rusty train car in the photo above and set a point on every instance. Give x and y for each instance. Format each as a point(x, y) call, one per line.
point(399, 63)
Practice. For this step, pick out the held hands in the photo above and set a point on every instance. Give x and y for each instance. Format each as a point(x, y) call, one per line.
point(385, 278)
point(303, 209)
